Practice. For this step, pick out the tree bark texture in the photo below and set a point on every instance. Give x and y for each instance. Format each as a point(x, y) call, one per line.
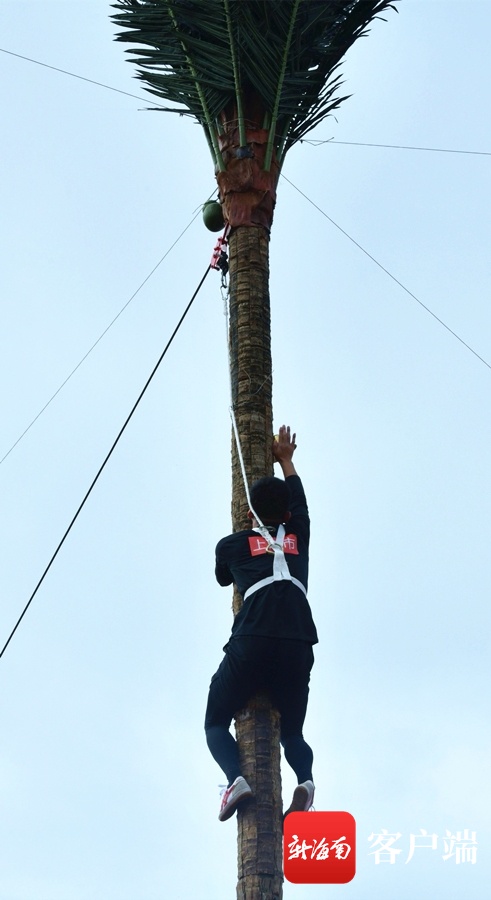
point(250, 361)
point(259, 822)
point(260, 874)
point(247, 191)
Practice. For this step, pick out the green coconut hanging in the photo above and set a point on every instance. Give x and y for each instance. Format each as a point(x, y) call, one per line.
point(213, 215)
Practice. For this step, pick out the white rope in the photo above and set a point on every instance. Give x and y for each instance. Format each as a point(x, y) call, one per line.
point(262, 528)
point(280, 565)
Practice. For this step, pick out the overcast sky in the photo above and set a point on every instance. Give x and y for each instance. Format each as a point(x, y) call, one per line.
point(108, 791)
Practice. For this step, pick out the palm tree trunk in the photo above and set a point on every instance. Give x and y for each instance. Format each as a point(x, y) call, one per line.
point(260, 874)
point(250, 361)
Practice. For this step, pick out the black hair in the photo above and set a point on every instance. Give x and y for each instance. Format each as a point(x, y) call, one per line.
point(269, 499)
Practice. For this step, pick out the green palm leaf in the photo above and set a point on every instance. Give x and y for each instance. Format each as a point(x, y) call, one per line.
point(223, 60)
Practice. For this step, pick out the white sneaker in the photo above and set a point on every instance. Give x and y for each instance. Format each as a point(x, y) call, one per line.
point(232, 796)
point(303, 797)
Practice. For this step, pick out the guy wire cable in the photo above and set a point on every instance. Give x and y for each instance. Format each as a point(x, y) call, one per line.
point(108, 87)
point(316, 143)
point(401, 285)
point(79, 510)
point(94, 345)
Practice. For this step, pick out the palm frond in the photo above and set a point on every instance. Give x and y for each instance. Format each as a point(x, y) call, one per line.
point(211, 57)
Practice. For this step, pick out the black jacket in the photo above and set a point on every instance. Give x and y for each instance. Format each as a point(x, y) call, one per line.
point(280, 609)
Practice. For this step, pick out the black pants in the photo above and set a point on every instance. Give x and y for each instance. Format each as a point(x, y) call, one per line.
point(282, 668)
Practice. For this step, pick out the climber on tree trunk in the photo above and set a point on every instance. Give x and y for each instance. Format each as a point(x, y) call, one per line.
point(270, 647)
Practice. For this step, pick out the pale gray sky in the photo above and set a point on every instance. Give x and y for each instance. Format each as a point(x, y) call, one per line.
point(107, 787)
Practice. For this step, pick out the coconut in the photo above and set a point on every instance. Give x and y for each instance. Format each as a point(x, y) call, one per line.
point(213, 215)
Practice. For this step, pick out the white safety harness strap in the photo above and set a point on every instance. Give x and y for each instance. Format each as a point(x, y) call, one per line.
point(265, 581)
point(280, 565)
point(281, 571)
